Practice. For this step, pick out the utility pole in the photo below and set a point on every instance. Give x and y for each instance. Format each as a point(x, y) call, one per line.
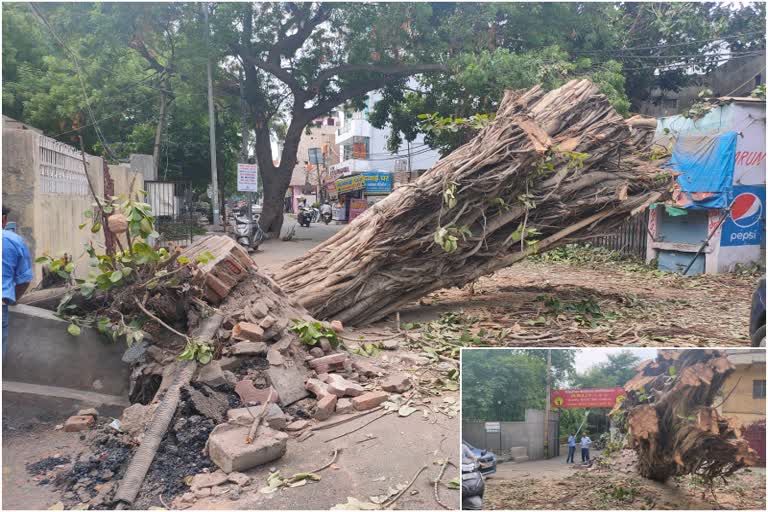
point(547, 407)
point(211, 121)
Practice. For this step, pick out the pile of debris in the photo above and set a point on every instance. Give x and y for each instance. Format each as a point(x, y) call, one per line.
point(237, 412)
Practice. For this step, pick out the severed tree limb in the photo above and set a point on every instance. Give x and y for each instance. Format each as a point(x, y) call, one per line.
point(551, 166)
point(672, 423)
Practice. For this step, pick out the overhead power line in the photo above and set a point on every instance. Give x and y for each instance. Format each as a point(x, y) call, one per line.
point(672, 45)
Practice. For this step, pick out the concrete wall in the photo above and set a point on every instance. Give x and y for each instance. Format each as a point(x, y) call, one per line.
point(46, 188)
point(740, 402)
point(726, 80)
point(528, 434)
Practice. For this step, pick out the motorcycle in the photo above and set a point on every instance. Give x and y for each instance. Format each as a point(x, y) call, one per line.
point(326, 217)
point(472, 486)
point(305, 217)
point(248, 233)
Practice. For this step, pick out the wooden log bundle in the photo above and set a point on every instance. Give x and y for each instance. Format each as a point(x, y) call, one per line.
point(551, 168)
point(672, 423)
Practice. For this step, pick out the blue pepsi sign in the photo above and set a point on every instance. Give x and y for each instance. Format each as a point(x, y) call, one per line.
point(745, 224)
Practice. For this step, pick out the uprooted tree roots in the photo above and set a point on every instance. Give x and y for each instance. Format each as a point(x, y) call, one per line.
point(672, 422)
point(551, 168)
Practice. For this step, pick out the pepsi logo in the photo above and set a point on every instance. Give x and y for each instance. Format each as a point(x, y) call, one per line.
point(746, 210)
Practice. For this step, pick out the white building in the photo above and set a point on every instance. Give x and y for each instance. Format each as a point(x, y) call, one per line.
point(361, 148)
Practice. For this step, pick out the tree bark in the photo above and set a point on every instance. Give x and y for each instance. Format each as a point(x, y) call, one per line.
point(549, 168)
point(672, 423)
point(159, 133)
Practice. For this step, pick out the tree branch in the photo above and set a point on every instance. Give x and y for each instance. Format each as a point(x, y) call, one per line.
point(388, 70)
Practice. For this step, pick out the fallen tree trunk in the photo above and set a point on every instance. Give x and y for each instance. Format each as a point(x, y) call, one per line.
point(672, 423)
point(551, 168)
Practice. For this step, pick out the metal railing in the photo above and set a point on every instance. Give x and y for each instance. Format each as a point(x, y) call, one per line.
point(61, 169)
point(630, 239)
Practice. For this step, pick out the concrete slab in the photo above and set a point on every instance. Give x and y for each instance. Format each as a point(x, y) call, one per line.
point(41, 352)
point(288, 382)
point(228, 449)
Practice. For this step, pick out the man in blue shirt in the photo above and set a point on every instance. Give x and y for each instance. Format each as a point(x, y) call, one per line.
point(17, 271)
point(571, 448)
point(585, 443)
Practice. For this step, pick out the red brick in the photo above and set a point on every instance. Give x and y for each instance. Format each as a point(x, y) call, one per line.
point(340, 386)
point(369, 400)
point(317, 388)
point(327, 363)
point(215, 290)
point(248, 331)
point(249, 394)
point(325, 407)
point(79, 423)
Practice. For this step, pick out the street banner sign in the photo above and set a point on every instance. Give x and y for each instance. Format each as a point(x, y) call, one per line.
point(247, 178)
point(588, 397)
point(315, 156)
point(492, 426)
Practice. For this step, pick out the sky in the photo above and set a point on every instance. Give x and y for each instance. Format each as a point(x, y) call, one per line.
point(588, 357)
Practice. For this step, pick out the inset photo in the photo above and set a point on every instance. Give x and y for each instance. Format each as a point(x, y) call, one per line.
point(612, 428)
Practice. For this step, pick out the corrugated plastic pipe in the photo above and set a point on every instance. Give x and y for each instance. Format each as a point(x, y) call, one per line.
point(145, 454)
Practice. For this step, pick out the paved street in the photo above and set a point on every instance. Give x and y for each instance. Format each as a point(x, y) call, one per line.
point(275, 253)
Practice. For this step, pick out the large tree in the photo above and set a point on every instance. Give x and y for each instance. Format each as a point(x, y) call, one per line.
point(303, 60)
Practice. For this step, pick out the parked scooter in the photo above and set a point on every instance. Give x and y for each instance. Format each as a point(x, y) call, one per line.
point(472, 486)
point(248, 233)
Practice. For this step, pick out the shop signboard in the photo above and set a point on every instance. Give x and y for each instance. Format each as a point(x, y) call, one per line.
point(330, 187)
point(588, 397)
point(377, 182)
point(339, 214)
point(349, 184)
point(247, 178)
point(356, 208)
point(492, 426)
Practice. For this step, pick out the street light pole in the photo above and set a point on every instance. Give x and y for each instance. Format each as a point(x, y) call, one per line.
point(211, 121)
point(548, 406)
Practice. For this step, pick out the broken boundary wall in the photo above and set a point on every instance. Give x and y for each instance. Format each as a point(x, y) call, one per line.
point(501, 437)
point(45, 186)
point(47, 373)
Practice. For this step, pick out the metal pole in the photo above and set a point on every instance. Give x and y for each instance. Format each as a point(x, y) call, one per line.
point(410, 176)
point(211, 122)
point(547, 406)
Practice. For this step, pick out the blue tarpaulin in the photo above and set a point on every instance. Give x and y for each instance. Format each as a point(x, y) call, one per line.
point(706, 166)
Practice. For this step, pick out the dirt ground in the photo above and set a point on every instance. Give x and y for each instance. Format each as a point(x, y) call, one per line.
point(536, 485)
point(541, 303)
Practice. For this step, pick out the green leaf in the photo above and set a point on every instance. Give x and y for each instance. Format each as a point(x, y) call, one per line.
point(183, 260)
point(88, 214)
point(73, 329)
point(70, 267)
point(43, 259)
point(96, 227)
point(81, 226)
point(116, 276)
point(126, 271)
point(146, 226)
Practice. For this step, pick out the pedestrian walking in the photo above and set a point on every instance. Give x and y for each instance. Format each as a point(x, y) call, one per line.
point(571, 448)
point(17, 271)
point(585, 444)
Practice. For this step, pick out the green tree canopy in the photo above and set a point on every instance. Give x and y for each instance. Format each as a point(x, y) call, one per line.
point(499, 385)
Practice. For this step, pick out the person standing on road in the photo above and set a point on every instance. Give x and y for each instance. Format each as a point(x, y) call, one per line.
point(17, 271)
point(585, 444)
point(571, 448)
